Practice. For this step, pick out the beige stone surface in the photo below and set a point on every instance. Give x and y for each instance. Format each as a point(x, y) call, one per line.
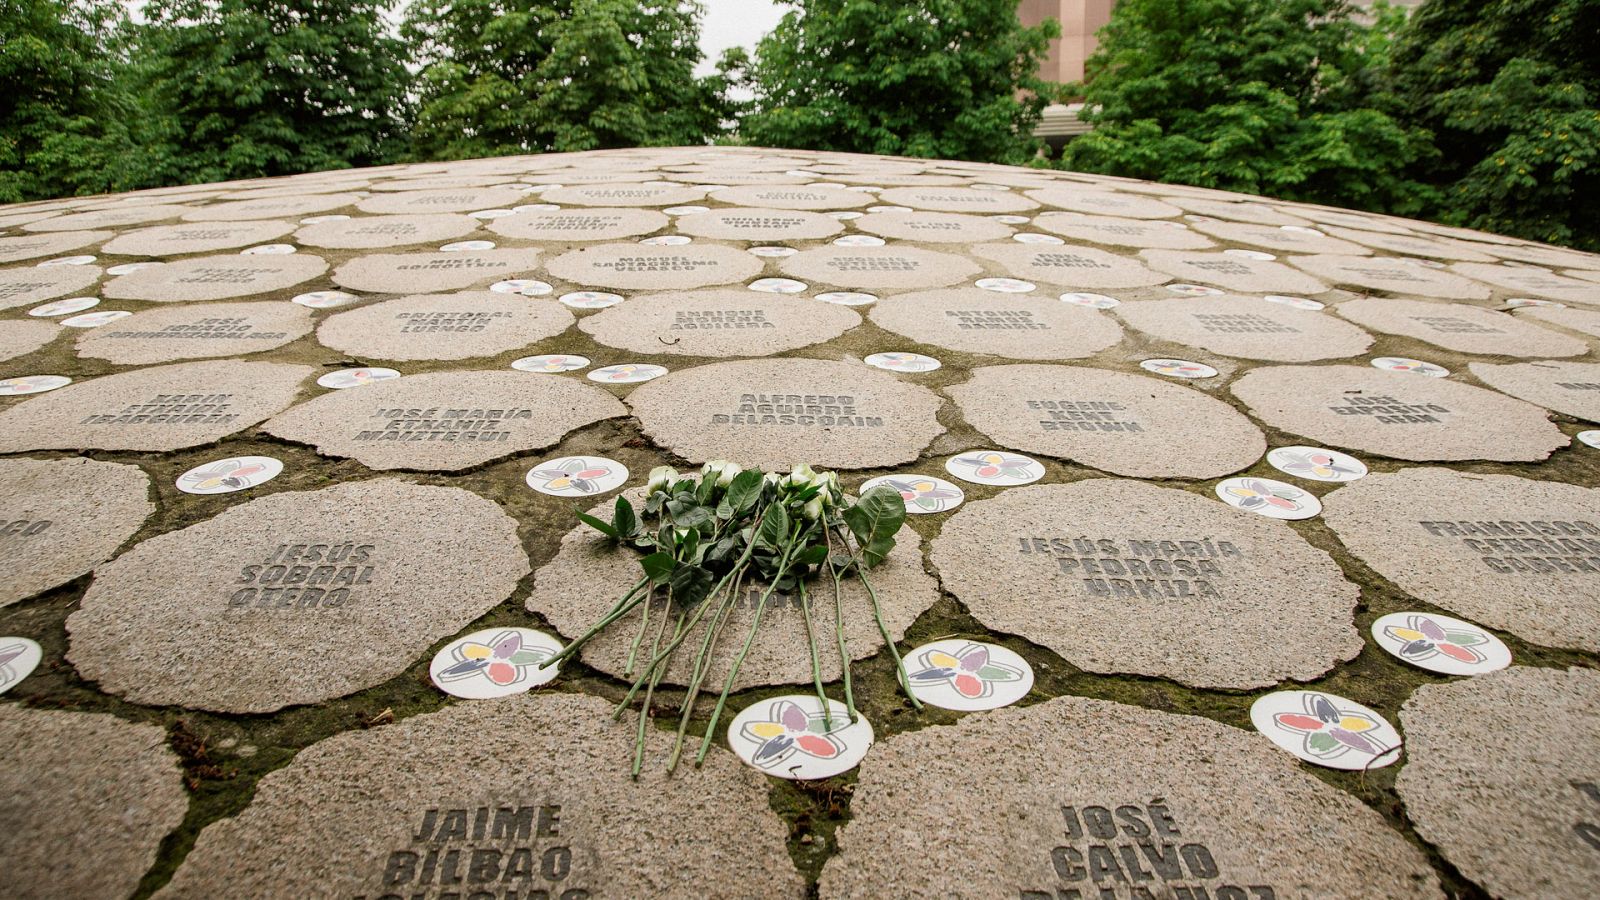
point(933, 227)
point(1460, 327)
point(1120, 231)
point(1235, 211)
point(793, 197)
point(591, 224)
point(87, 799)
point(444, 326)
point(741, 223)
point(1103, 202)
point(1017, 326)
point(1278, 239)
point(442, 200)
point(18, 338)
point(1501, 778)
point(1234, 273)
point(1410, 244)
point(958, 200)
point(411, 273)
point(26, 286)
point(1390, 274)
point(197, 237)
point(1533, 282)
point(981, 809)
point(351, 807)
point(216, 278)
point(1247, 327)
point(63, 517)
point(1125, 424)
point(1068, 266)
point(1510, 553)
point(1397, 414)
point(295, 205)
point(113, 217)
point(1583, 320)
point(623, 195)
point(154, 409)
point(196, 331)
point(377, 232)
point(37, 246)
point(878, 268)
point(718, 323)
point(445, 421)
point(774, 413)
point(651, 268)
point(295, 597)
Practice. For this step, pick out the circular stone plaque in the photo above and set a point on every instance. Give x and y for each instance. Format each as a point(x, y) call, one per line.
point(1124, 577)
point(769, 413)
point(1247, 328)
point(1014, 326)
point(1586, 321)
point(758, 224)
point(267, 208)
point(1122, 232)
point(1106, 203)
point(1127, 424)
point(442, 200)
point(934, 227)
point(88, 799)
point(1236, 273)
point(24, 286)
point(1537, 282)
point(1460, 327)
point(194, 331)
point(19, 338)
point(558, 808)
point(34, 246)
point(439, 270)
point(1075, 793)
point(567, 225)
point(1528, 768)
point(719, 323)
point(1387, 274)
point(196, 237)
point(300, 596)
point(1397, 414)
point(155, 409)
point(216, 278)
point(641, 267)
point(1280, 240)
point(444, 421)
point(957, 200)
point(62, 517)
point(870, 268)
point(624, 195)
point(1511, 553)
point(443, 326)
point(1565, 387)
point(375, 232)
point(1071, 267)
point(778, 196)
point(120, 217)
point(589, 573)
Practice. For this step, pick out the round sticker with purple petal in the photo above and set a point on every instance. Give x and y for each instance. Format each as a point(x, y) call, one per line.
point(1005, 285)
point(495, 662)
point(1011, 220)
point(967, 675)
point(1316, 463)
point(550, 363)
point(577, 476)
point(464, 246)
point(667, 240)
point(228, 475)
point(19, 656)
point(1296, 302)
point(922, 493)
point(845, 215)
point(1266, 497)
point(1414, 366)
point(269, 250)
point(527, 287)
point(902, 362)
point(349, 378)
point(96, 319)
point(791, 737)
point(1520, 302)
point(1093, 301)
point(847, 298)
point(487, 214)
point(627, 373)
point(685, 210)
point(66, 261)
point(325, 299)
point(65, 307)
point(1030, 237)
point(1178, 368)
point(534, 207)
point(1193, 290)
point(130, 268)
point(995, 467)
point(1590, 438)
point(1326, 729)
point(590, 299)
point(858, 240)
point(777, 285)
point(773, 252)
point(1440, 643)
point(31, 384)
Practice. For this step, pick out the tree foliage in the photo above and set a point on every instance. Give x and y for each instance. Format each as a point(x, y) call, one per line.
point(932, 78)
point(1261, 96)
point(517, 76)
point(1511, 90)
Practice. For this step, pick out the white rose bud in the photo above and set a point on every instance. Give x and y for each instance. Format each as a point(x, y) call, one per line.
point(661, 477)
point(813, 508)
point(728, 473)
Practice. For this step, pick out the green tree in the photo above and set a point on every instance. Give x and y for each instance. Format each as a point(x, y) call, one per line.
point(1511, 88)
point(517, 76)
point(64, 113)
point(1261, 96)
point(246, 89)
point(933, 78)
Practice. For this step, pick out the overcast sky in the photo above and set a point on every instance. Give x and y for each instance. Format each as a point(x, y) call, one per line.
point(730, 23)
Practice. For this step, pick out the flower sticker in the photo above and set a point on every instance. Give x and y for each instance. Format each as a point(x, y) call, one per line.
point(847, 298)
point(590, 299)
point(576, 476)
point(130, 268)
point(1316, 463)
point(31, 384)
point(773, 252)
point(1093, 301)
point(1520, 302)
point(968, 675)
point(527, 287)
point(19, 656)
point(1193, 290)
point(465, 246)
point(1440, 643)
point(550, 363)
point(1296, 302)
point(495, 662)
point(66, 261)
point(667, 240)
point(858, 240)
point(788, 737)
point(627, 373)
point(1273, 499)
point(1178, 368)
point(324, 299)
point(1033, 237)
point(902, 362)
point(685, 210)
point(1589, 438)
point(1005, 285)
point(349, 378)
point(777, 286)
point(921, 493)
point(994, 467)
point(228, 475)
point(269, 250)
point(65, 307)
point(1415, 366)
point(1326, 729)
point(96, 319)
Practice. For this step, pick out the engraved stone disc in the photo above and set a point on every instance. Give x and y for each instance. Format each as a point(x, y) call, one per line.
point(1460, 327)
point(1127, 424)
point(1236, 273)
point(550, 812)
point(1122, 232)
point(23, 286)
point(406, 273)
point(771, 413)
point(636, 267)
point(1105, 203)
point(114, 217)
point(755, 224)
point(1410, 244)
point(1584, 320)
point(1515, 808)
point(376, 232)
point(1017, 326)
point(1532, 281)
point(1278, 239)
point(441, 200)
point(444, 326)
point(87, 798)
point(958, 200)
point(35, 246)
point(197, 330)
point(215, 278)
point(934, 227)
point(623, 195)
point(444, 421)
point(18, 338)
point(879, 267)
point(1079, 797)
point(296, 597)
point(196, 237)
point(1389, 274)
point(1510, 553)
point(792, 197)
point(1071, 267)
point(1397, 414)
point(600, 224)
point(270, 208)
point(63, 517)
point(719, 323)
point(154, 409)
point(1247, 327)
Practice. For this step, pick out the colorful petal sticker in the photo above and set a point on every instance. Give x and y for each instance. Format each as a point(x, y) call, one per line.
point(66, 261)
point(349, 378)
point(1296, 302)
point(269, 250)
point(685, 210)
point(858, 240)
point(1316, 463)
point(577, 476)
point(1005, 285)
point(967, 675)
point(130, 268)
point(550, 363)
point(921, 493)
point(777, 286)
point(1093, 301)
point(789, 737)
point(1591, 437)
point(773, 252)
point(1439, 643)
point(96, 319)
point(225, 476)
point(902, 362)
point(845, 215)
point(627, 373)
point(1415, 366)
point(325, 299)
point(494, 662)
point(667, 240)
point(31, 384)
point(847, 298)
point(527, 287)
point(1011, 219)
point(1326, 729)
point(463, 246)
point(590, 299)
point(1178, 368)
point(1273, 499)
point(65, 307)
point(1030, 237)
point(994, 467)
point(1520, 302)
point(1193, 290)
point(19, 656)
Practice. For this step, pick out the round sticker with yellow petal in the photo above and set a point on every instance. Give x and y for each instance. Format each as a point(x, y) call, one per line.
point(1326, 729)
point(577, 476)
point(19, 656)
point(228, 475)
point(791, 737)
point(1440, 643)
point(967, 675)
point(1266, 497)
point(994, 467)
point(921, 493)
point(495, 662)
point(1317, 463)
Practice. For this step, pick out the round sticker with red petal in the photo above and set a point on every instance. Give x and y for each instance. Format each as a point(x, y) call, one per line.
point(921, 493)
point(1266, 497)
point(1440, 643)
point(1326, 729)
point(1316, 463)
point(19, 656)
point(1414, 366)
point(967, 675)
point(495, 662)
point(994, 467)
point(228, 475)
point(577, 476)
point(790, 737)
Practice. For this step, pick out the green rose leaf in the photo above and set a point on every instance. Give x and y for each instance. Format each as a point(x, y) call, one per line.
point(689, 585)
point(874, 520)
point(658, 567)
